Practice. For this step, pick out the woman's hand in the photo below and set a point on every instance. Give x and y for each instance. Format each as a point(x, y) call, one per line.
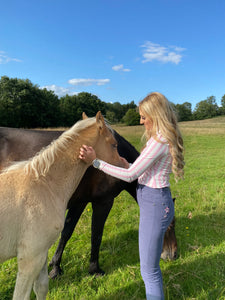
point(125, 163)
point(87, 154)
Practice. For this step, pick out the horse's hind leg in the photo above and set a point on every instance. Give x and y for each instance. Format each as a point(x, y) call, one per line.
point(72, 218)
point(28, 270)
point(101, 211)
point(41, 283)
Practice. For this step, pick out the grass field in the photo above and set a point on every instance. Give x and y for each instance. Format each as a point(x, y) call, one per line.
point(199, 271)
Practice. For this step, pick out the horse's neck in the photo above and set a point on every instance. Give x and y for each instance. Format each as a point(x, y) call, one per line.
point(67, 171)
point(64, 177)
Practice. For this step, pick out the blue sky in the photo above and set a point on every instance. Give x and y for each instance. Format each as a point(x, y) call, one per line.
point(119, 50)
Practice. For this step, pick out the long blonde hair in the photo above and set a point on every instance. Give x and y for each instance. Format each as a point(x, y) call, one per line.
point(158, 110)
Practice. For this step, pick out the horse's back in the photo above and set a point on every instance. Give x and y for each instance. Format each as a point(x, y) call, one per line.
point(21, 144)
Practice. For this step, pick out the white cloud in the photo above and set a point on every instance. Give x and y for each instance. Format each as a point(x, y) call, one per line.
point(86, 82)
point(179, 49)
point(62, 91)
point(163, 54)
point(58, 90)
point(4, 59)
point(120, 68)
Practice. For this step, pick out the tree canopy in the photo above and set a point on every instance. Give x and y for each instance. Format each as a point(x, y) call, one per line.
point(206, 109)
point(25, 105)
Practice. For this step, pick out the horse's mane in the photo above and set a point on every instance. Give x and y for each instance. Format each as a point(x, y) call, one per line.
point(42, 161)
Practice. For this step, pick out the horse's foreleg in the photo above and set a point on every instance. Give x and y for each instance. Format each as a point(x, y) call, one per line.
point(100, 213)
point(28, 270)
point(72, 218)
point(41, 283)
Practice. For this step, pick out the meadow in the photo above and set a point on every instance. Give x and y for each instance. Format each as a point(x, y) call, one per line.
point(199, 270)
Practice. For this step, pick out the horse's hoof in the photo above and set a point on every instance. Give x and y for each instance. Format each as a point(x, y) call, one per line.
point(55, 272)
point(97, 273)
point(95, 270)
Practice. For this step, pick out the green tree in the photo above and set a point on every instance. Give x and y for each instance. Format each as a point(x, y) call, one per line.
point(119, 110)
point(49, 115)
point(23, 104)
point(90, 104)
point(69, 110)
point(222, 108)
point(72, 107)
point(131, 117)
point(206, 109)
point(110, 116)
point(184, 112)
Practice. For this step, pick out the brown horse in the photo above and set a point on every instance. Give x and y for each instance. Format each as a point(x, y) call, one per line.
point(34, 199)
point(95, 187)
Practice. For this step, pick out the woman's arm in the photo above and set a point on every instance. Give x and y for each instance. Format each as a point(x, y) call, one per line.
point(147, 158)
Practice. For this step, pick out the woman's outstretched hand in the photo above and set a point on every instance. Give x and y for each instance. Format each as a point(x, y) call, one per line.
point(124, 162)
point(87, 154)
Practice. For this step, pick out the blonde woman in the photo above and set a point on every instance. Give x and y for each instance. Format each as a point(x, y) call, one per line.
point(162, 154)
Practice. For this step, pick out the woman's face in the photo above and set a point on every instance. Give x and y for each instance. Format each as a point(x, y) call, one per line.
point(145, 121)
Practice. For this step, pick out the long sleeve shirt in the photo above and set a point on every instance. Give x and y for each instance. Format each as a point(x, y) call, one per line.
point(152, 168)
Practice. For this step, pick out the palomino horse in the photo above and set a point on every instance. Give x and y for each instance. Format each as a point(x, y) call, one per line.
point(95, 187)
point(34, 198)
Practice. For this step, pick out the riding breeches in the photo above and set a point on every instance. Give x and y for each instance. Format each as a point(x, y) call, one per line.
point(156, 213)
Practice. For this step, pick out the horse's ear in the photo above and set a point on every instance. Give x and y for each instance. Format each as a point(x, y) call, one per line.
point(84, 116)
point(100, 122)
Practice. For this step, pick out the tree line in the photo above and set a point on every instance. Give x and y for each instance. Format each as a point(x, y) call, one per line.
point(25, 105)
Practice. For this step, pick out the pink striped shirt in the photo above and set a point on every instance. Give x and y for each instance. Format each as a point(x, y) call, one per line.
point(152, 168)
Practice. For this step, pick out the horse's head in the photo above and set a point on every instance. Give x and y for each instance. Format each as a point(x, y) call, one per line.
point(106, 145)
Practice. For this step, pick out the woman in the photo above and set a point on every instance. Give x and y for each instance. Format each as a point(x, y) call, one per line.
point(162, 154)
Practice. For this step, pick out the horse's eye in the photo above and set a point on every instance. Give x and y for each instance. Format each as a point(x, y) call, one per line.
point(114, 146)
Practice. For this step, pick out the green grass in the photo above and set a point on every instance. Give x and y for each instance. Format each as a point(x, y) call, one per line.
point(199, 271)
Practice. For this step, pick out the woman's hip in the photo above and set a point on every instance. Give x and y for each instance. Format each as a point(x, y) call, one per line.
point(156, 204)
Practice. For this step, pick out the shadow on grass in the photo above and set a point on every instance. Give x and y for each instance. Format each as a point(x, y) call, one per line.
point(203, 278)
point(116, 252)
point(196, 233)
point(199, 272)
point(133, 291)
point(200, 231)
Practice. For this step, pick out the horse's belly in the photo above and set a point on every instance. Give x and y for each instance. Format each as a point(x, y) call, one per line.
point(7, 249)
point(5, 256)
point(8, 235)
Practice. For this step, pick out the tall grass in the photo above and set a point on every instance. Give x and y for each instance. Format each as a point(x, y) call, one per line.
point(199, 271)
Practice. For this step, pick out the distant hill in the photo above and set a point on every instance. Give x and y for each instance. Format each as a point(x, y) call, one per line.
point(208, 126)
